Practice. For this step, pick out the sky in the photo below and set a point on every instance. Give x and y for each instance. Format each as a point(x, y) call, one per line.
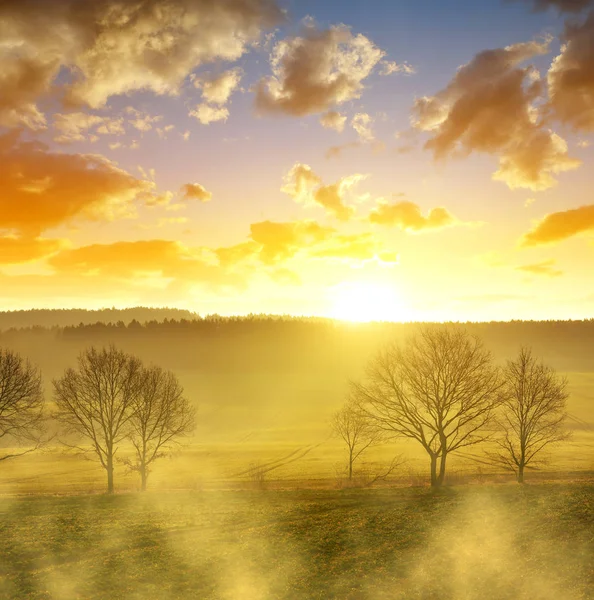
point(374, 159)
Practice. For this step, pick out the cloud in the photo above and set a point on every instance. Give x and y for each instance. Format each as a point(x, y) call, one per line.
point(14, 250)
point(489, 106)
point(333, 120)
point(571, 77)
point(163, 131)
point(195, 191)
point(408, 216)
point(546, 268)
point(355, 247)
point(559, 226)
point(219, 89)
point(280, 241)
point(77, 127)
point(141, 120)
point(317, 72)
point(389, 67)
point(207, 114)
point(304, 186)
point(561, 5)
point(336, 151)
point(361, 123)
point(22, 82)
point(112, 48)
point(272, 243)
point(42, 189)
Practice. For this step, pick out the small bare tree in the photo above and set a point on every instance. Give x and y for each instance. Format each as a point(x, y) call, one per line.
point(162, 415)
point(21, 403)
point(532, 414)
point(439, 389)
point(98, 399)
point(355, 429)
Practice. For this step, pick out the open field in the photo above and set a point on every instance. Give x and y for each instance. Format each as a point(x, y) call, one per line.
point(490, 541)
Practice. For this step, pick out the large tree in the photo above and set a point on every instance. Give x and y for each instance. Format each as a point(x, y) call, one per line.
point(161, 415)
point(439, 388)
point(21, 403)
point(532, 415)
point(97, 400)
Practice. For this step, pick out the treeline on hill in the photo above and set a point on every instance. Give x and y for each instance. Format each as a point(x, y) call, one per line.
point(567, 344)
point(67, 317)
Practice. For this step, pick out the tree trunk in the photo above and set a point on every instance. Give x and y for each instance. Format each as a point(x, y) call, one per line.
point(143, 478)
point(442, 468)
point(109, 468)
point(434, 482)
point(520, 476)
point(350, 464)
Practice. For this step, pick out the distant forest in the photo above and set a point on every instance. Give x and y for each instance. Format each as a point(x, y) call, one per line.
point(196, 341)
point(18, 319)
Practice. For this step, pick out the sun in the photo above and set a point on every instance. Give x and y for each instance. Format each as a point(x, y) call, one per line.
point(364, 301)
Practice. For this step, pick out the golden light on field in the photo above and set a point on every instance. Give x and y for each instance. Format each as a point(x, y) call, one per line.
point(362, 301)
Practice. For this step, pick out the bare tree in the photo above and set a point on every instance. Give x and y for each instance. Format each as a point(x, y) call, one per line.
point(162, 415)
point(97, 400)
point(439, 389)
point(21, 403)
point(355, 429)
point(532, 414)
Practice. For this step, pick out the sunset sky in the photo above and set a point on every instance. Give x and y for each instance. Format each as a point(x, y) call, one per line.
point(360, 159)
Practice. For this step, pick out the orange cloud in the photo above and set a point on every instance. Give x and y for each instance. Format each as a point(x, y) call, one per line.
point(14, 250)
point(408, 216)
point(571, 77)
point(113, 48)
point(559, 226)
point(272, 243)
point(279, 241)
point(145, 263)
point(546, 268)
point(316, 72)
point(489, 106)
point(304, 186)
point(42, 189)
point(195, 191)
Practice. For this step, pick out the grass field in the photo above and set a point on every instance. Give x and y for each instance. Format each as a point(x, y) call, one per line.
point(483, 541)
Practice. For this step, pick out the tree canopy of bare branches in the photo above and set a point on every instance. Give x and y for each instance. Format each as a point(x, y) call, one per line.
point(21, 402)
point(97, 400)
point(440, 389)
point(355, 429)
point(532, 414)
point(161, 415)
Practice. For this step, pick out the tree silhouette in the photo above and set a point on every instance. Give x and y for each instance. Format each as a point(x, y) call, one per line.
point(21, 403)
point(532, 414)
point(356, 431)
point(160, 416)
point(97, 400)
point(439, 389)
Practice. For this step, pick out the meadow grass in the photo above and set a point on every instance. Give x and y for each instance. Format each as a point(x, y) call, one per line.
point(482, 541)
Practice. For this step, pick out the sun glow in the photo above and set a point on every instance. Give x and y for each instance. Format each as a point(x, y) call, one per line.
point(363, 301)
